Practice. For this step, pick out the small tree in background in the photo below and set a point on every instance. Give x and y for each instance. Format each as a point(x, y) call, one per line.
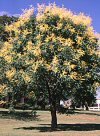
point(15, 79)
point(55, 54)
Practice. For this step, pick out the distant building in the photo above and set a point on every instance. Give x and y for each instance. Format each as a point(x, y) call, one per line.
point(96, 106)
point(98, 97)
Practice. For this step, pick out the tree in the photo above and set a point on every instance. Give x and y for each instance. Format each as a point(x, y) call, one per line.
point(55, 54)
point(14, 81)
point(85, 95)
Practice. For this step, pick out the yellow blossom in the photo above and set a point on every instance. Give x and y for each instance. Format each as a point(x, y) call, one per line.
point(73, 75)
point(82, 19)
point(48, 66)
point(37, 51)
point(10, 73)
point(55, 60)
point(83, 63)
point(51, 46)
point(8, 58)
point(73, 66)
point(43, 27)
point(68, 42)
point(26, 78)
point(79, 40)
point(27, 13)
point(90, 32)
point(2, 87)
point(80, 52)
point(66, 63)
point(29, 46)
point(59, 25)
point(64, 73)
point(51, 37)
point(96, 84)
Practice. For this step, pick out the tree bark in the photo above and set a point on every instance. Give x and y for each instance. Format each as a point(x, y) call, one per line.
point(23, 100)
point(86, 106)
point(53, 116)
point(52, 103)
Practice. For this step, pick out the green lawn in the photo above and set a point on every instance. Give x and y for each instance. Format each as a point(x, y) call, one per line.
point(81, 123)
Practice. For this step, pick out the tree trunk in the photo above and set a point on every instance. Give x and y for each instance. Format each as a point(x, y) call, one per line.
point(86, 106)
point(7, 98)
point(53, 116)
point(23, 100)
point(52, 102)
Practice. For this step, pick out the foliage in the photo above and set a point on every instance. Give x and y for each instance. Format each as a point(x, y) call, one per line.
point(5, 20)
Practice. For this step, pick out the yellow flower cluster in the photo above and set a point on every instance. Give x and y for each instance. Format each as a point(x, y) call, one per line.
point(79, 53)
point(55, 61)
point(54, 10)
point(10, 73)
point(63, 13)
point(21, 21)
point(37, 51)
point(6, 48)
point(69, 65)
point(2, 87)
point(25, 76)
point(6, 52)
point(82, 19)
point(68, 42)
point(50, 38)
point(96, 84)
point(90, 32)
point(73, 75)
point(8, 58)
point(73, 66)
point(29, 46)
point(83, 63)
point(37, 64)
point(31, 94)
point(48, 66)
point(43, 27)
point(79, 40)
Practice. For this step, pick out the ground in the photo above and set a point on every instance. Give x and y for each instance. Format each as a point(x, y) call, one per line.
point(81, 123)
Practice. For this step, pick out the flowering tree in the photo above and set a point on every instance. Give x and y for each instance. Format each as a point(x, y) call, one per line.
point(13, 75)
point(56, 53)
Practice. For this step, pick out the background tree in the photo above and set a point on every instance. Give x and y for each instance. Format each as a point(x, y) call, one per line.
point(4, 20)
point(12, 51)
point(56, 55)
point(85, 95)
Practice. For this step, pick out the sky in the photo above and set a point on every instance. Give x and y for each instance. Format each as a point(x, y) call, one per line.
point(89, 7)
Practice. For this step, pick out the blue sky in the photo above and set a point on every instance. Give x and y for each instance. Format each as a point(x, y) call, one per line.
point(89, 7)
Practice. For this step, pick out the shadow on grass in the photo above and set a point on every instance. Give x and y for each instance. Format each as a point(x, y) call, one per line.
point(72, 112)
point(19, 115)
point(64, 127)
point(87, 113)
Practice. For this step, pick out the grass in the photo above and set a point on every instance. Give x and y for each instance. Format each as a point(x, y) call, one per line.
point(81, 123)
